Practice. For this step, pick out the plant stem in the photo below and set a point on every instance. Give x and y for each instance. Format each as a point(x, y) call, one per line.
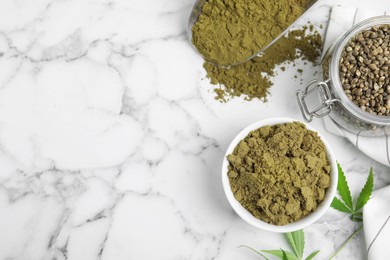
point(346, 242)
point(356, 218)
point(255, 251)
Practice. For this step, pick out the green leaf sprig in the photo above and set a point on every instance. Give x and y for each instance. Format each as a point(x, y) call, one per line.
point(346, 204)
point(296, 241)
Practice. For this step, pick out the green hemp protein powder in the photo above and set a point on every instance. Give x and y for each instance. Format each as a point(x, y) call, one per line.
point(280, 173)
point(231, 31)
point(252, 78)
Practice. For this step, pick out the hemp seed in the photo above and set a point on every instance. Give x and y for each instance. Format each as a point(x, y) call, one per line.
point(364, 70)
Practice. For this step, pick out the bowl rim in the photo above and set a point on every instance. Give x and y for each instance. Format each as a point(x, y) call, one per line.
point(246, 215)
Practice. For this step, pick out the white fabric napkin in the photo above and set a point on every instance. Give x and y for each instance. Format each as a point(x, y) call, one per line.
point(376, 213)
point(376, 220)
point(342, 19)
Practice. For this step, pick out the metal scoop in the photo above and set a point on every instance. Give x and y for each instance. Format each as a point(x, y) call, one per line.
point(197, 10)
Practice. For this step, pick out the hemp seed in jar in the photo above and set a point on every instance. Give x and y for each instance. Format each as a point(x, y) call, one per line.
point(365, 70)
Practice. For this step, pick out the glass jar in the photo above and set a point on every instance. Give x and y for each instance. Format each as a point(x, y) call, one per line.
point(333, 99)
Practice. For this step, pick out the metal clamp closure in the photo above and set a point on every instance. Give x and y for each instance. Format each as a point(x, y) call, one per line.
point(325, 98)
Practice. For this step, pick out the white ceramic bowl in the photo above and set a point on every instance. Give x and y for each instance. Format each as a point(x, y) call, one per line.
point(246, 215)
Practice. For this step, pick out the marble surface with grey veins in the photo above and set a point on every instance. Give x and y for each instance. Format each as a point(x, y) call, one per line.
point(111, 141)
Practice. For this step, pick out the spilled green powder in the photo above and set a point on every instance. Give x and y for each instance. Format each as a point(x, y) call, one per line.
point(252, 79)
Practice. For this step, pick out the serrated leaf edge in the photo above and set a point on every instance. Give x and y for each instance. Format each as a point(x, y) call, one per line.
point(343, 188)
point(341, 206)
point(284, 255)
point(366, 192)
point(312, 255)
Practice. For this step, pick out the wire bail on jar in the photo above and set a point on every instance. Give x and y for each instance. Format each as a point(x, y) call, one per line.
point(326, 100)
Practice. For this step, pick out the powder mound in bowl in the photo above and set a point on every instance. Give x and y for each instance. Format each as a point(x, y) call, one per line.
point(231, 31)
point(280, 173)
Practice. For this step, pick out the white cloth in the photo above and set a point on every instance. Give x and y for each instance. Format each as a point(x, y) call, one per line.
point(376, 213)
point(342, 19)
point(376, 218)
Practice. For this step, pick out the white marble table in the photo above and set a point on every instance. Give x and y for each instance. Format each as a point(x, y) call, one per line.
point(111, 141)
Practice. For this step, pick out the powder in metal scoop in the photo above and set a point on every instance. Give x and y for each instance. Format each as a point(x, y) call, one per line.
point(231, 31)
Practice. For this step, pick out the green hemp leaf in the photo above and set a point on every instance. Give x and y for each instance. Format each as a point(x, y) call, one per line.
point(345, 204)
point(296, 241)
point(284, 255)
